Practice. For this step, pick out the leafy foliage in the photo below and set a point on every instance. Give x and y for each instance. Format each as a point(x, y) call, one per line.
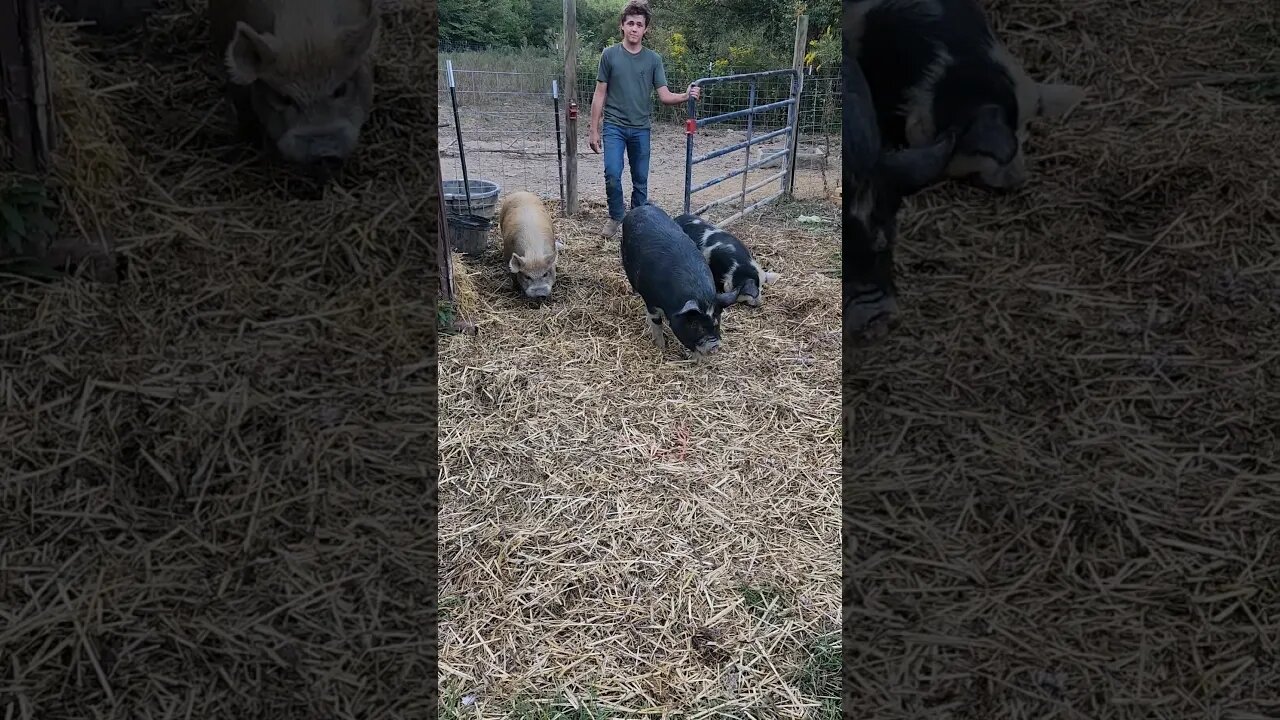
point(694, 37)
point(24, 209)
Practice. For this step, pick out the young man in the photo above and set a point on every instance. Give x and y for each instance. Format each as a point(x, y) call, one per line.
point(628, 74)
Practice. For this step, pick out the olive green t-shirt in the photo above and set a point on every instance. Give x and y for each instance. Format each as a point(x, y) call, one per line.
point(632, 79)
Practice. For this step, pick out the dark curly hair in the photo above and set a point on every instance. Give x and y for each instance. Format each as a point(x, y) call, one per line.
point(636, 7)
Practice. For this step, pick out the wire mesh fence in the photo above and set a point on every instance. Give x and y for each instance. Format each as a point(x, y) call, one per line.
point(508, 120)
point(506, 117)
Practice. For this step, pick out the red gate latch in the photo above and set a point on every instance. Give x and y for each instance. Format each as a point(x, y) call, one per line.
point(690, 126)
point(573, 111)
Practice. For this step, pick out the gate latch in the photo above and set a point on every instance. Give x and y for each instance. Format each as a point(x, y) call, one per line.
point(573, 111)
point(690, 126)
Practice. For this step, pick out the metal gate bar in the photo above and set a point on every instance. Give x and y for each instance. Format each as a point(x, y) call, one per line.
point(694, 122)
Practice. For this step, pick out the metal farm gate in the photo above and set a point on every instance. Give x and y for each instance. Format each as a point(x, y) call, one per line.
point(750, 112)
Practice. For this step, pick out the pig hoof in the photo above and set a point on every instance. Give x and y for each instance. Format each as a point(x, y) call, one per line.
point(655, 334)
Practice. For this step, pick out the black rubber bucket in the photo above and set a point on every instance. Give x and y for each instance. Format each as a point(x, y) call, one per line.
point(470, 233)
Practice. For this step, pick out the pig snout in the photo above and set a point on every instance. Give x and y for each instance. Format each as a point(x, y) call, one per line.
point(1010, 177)
point(328, 144)
point(708, 346)
point(536, 285)
point(1000, 183)
point(538, 291)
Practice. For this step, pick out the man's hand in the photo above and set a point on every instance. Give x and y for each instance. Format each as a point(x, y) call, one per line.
point(594, 141)
point(694, 92)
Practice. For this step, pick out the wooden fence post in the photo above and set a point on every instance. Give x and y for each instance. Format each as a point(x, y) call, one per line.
point(571, 101)
point(24, 74)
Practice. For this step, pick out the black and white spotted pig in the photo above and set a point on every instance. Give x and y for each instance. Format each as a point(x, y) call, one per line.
point(875, 182)
point(731, 263)
point(936, 65)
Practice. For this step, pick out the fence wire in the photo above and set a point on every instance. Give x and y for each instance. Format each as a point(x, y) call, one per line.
point(508, 128)
point(509, 135)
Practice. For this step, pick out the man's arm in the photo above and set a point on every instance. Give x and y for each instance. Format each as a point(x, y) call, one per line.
point(603, 72)
point(597, 112)
point(666, 97)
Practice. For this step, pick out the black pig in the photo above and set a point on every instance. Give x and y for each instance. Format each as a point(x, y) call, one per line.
point(874, 184)
point(665, 267)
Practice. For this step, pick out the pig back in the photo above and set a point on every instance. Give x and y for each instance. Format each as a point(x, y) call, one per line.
point(661, 260)
point(525, 226)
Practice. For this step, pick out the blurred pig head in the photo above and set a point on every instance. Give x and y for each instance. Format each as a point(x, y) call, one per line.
point(535, 276)
point(309, 83)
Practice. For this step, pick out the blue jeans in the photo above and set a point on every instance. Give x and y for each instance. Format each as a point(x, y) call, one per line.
point(636, 142)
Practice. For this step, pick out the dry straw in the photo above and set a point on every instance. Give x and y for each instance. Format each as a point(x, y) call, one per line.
point(1064, 503)
point(1064, 493)
point(211, 494)
point(624, 529)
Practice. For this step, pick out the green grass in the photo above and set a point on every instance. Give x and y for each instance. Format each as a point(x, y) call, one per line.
point(477, 81)
point(24, 210)
point(447, 605)
point(764, 601)
point(452, 708)
point(444, 317)
point(820, 676)
point(560, 711)
point(817, 679)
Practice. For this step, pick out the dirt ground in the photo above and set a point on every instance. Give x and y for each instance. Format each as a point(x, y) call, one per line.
point(1062, 488)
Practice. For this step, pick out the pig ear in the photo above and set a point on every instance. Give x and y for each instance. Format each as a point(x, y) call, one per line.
point(516, 263)
point(248, 54)
point(360, 38)
point(1058, 99)
point(727, 299)
point(917, 129)
point(690, 307)
point(989, 135)
point(913, 169)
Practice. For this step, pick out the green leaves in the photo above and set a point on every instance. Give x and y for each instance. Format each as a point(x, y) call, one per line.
point(24, 207)
point(768, 24)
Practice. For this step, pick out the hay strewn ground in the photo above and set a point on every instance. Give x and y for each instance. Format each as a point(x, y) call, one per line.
point(212, 493)
point(1064, 493)
point(633, 534)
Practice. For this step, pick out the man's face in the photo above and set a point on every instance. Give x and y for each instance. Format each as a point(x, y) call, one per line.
point(633, 28)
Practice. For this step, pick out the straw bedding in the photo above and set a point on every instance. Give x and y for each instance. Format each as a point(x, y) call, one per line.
point(212, 501)
point(1063, 503)
point(1062, 491)
point(628, 531)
